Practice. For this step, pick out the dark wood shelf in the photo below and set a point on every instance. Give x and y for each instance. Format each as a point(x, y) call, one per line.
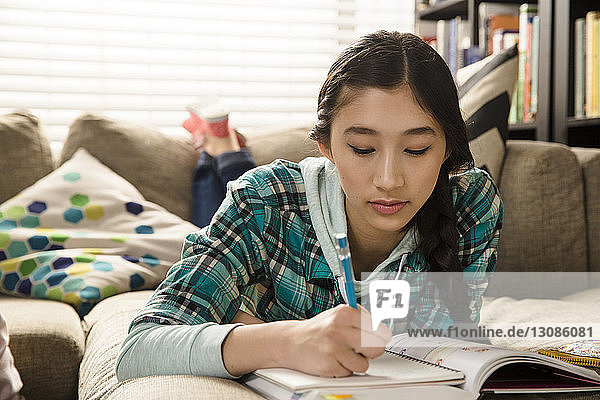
point(522, 131)
point(445, 9)
point(556, 67)
point(522, 126)
point(573, 122)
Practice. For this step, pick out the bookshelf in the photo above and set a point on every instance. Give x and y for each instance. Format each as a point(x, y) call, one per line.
point(584, 132)
point(555, 119)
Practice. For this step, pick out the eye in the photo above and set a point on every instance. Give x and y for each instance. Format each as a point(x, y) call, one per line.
point(361, 151)
point(417, 152)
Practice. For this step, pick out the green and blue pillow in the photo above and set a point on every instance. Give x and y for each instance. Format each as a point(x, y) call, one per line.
point(83, 233)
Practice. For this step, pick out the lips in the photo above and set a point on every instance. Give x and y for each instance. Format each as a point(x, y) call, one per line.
point(387, 207)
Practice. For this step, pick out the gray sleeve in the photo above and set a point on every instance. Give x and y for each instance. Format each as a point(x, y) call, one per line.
point(154, 349)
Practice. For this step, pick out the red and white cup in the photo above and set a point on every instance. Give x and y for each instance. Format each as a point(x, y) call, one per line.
point(212, 120)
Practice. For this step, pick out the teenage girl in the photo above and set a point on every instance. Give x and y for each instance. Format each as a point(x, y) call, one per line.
point(259, 286)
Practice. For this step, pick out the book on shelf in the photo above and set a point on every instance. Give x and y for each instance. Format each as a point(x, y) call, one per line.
point(494, 17)
point(580, 74)
point(454, 45)
point(415, 361)
point(442, 38)
point(526, 14)
point(535, 64)
point(592, 68)
point(503, 39)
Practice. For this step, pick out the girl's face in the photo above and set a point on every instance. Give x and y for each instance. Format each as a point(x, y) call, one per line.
point(388, 153)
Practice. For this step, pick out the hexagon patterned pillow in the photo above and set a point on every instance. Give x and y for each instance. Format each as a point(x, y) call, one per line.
point(83, 233)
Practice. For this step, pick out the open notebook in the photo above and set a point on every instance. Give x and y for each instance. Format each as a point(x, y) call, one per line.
point(411, 361)
point(388, 371)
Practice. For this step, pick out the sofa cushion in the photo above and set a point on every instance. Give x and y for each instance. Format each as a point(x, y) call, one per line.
point(82, 234)
point(46, 340)
point(24, 151)
point(160, 167)
point(544, 218)
point(484, 91)
point(590, 164)
point(574, 310)
point(106, 328)
point(288, 142)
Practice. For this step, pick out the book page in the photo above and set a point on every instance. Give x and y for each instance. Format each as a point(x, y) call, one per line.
point(477, 361)
point(473, 359)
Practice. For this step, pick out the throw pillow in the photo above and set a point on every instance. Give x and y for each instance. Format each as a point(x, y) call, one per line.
point(156, 164)
point(484, 91)
point(24, 147)
point(82, 234)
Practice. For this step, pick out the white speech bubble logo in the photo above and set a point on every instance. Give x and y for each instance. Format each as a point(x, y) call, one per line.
point(389, 299)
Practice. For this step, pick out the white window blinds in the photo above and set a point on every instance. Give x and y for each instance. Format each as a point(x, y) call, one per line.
point(144, 60)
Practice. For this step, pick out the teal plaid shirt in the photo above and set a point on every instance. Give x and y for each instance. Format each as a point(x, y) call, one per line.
point(260, 254)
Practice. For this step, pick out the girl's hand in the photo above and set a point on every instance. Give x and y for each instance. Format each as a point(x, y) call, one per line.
point(335, 343)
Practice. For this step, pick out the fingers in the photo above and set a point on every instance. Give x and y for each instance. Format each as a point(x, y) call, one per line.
point(336, 370)
point(360, 319)
point(346, 315)
point(371, 345)
point(352, 361)
point(384, 332)
point(358, 341)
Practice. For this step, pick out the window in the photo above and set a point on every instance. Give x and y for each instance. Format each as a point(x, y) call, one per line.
point(145, 60)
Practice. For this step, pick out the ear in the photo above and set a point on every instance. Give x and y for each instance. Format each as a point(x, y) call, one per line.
point(326, 151)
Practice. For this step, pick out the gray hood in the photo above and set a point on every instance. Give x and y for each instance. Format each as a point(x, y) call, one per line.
point(326, 206)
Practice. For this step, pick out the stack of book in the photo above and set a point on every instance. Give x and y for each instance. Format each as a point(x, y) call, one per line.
point(503, 25)
point(587, 66)
point(498, 26)
point(454, 44)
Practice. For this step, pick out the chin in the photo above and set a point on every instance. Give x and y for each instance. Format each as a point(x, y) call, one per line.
point(388, 224)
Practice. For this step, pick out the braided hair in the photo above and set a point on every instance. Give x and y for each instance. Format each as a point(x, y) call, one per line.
point(389, 60)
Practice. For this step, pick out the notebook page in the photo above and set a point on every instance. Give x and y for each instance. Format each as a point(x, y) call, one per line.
point(386, 370)
point(392, 366)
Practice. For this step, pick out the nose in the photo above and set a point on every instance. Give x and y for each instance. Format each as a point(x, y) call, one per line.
point(388, 175)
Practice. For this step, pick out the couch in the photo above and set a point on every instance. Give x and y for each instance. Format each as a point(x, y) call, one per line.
point(551, 197)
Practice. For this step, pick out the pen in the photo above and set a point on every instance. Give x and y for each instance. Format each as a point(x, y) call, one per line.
point(344, 256)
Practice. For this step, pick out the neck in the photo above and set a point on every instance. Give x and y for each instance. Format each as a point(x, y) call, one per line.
point(368, 251)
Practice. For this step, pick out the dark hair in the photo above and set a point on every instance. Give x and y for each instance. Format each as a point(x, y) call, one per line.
point(389, 60)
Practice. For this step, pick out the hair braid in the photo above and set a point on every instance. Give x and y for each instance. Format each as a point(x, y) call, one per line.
point(439, 246)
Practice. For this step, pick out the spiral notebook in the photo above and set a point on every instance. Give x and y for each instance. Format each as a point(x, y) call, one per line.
point(389, 370)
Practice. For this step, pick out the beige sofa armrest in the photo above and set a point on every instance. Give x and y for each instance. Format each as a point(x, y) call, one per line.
point(182, 387)
point(47, 343)
point(106, 328)
point(590, 164)
point(544, 217)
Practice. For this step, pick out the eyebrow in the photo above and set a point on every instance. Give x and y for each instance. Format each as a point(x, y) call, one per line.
point(422, 130)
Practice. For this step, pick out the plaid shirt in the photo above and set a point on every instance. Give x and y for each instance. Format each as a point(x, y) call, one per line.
point(260, 254)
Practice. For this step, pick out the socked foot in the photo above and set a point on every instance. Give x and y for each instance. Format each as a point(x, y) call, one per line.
point(215, 145)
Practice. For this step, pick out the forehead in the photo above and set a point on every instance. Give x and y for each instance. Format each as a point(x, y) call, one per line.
point(384, 110)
